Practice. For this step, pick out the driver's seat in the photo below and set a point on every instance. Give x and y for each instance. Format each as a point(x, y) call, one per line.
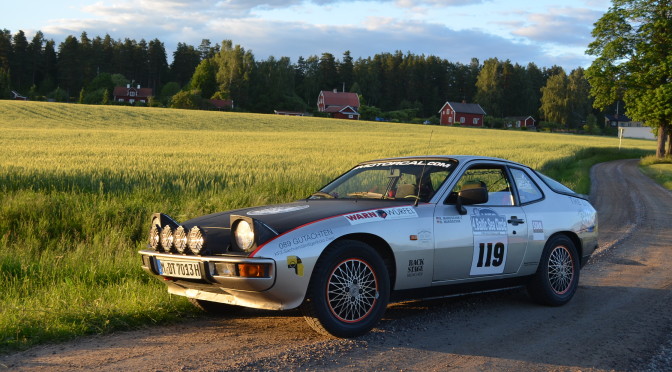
point(405, 190)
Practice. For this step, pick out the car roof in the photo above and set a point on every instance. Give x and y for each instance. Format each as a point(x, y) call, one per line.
point(458, 158)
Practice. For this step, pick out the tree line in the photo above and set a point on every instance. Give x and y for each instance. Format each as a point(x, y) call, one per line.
point(396, 86)
point(633, 62)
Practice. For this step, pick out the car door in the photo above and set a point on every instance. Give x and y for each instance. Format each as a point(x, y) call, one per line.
point(486, 239)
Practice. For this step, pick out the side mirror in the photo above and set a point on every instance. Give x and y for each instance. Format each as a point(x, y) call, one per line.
point(476, 195)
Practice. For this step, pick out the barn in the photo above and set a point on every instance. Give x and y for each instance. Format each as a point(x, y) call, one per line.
point(341, 105)
point(466, 114)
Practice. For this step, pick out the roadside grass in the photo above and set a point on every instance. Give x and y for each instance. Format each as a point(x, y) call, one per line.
point(660, 170)
point(574, 171)
point(78, 184)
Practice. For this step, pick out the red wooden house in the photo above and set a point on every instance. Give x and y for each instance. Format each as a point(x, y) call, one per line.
point(132, 95)
point(466, 114)
point(341, 105)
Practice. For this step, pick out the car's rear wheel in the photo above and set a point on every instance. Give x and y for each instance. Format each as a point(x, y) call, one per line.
point(215, 308)
point(557, 277)
point(349, 290)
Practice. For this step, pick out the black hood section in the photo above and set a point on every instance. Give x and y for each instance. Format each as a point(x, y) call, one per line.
point(279, 218)
point(285, 217)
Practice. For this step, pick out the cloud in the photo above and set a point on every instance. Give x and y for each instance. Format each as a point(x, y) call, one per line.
point(189, 22)
point(437, 3)
point(566, 26)
point(386, 35)
point(184, 9)
point(193, 11)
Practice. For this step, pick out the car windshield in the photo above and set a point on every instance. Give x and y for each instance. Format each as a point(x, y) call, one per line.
point(390, 180)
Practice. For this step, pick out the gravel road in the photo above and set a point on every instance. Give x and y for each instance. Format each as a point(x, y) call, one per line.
point(620, 318)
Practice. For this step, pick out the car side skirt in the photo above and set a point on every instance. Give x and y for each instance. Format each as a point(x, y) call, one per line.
point(461, 289)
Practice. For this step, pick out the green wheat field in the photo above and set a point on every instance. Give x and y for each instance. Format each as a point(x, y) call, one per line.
point(78, 184)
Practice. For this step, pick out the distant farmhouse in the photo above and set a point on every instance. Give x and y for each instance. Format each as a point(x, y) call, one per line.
point(521, 122)
point(131, 95)
point(628, 128)
point(620, 120)
point(466, 114)
point(18, 97)
point(341, 105)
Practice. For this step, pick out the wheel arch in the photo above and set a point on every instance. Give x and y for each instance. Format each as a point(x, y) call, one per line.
point(325, 312)
point(575, 239)
point(381, 247)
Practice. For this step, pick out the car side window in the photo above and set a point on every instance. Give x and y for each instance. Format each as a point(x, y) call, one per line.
point(493, 177)
point(528, 191)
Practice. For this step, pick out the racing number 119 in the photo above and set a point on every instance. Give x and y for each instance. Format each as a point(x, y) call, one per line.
point(493, 257)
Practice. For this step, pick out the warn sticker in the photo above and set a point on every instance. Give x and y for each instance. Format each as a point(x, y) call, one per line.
point(396, 213)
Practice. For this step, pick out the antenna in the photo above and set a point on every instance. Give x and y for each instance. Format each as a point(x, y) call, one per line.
point(422, 174)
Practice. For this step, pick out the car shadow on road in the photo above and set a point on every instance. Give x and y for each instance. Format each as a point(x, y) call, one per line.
point(602, 327)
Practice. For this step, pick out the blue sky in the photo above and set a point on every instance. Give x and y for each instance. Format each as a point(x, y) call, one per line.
point(546, 32)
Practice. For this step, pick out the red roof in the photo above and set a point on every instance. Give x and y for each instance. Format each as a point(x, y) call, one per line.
point(465, 108)
point(341, 99)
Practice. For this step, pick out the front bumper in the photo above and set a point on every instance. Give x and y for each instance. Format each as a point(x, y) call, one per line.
point(215, 274)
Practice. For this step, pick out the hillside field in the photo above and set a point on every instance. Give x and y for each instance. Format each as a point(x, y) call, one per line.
point(79, 184)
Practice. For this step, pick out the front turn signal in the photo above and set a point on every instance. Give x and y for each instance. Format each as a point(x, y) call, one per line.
point(253, 270)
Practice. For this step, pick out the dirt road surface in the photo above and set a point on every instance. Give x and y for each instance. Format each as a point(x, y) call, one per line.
point(620, 318)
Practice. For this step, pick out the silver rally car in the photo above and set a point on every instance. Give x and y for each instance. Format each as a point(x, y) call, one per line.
point(386, 230)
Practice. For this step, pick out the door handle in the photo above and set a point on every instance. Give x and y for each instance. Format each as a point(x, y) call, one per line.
point(515, 221)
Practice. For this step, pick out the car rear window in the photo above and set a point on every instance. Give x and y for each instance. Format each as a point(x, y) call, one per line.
point(555, 185)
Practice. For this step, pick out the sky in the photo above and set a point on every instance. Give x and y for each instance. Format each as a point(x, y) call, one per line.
point(546, 32)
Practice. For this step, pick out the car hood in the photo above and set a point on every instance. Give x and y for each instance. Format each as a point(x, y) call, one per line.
point(288, 216)
point(281, 218)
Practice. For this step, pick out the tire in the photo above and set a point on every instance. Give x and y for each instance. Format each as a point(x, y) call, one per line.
point(349, 290)
point(557, 277)
point(215, 308)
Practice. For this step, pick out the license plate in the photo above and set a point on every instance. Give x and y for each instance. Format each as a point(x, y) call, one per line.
point(179, 269)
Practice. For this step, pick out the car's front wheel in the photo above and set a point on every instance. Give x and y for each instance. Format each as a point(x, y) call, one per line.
point(557, 277)
point(349, 290)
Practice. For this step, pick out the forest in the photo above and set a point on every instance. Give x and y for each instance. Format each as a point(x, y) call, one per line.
point(396, 86)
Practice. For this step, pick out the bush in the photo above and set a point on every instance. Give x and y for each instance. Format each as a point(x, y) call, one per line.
point(58, 95)
point(369, 112)
point(493, 122)
point(96, 97)
point(401, 116)
point(191, 100)
point(549, 126)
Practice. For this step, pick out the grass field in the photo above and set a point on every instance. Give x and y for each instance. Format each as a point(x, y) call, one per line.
point(658, 169)
point(80, 182)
